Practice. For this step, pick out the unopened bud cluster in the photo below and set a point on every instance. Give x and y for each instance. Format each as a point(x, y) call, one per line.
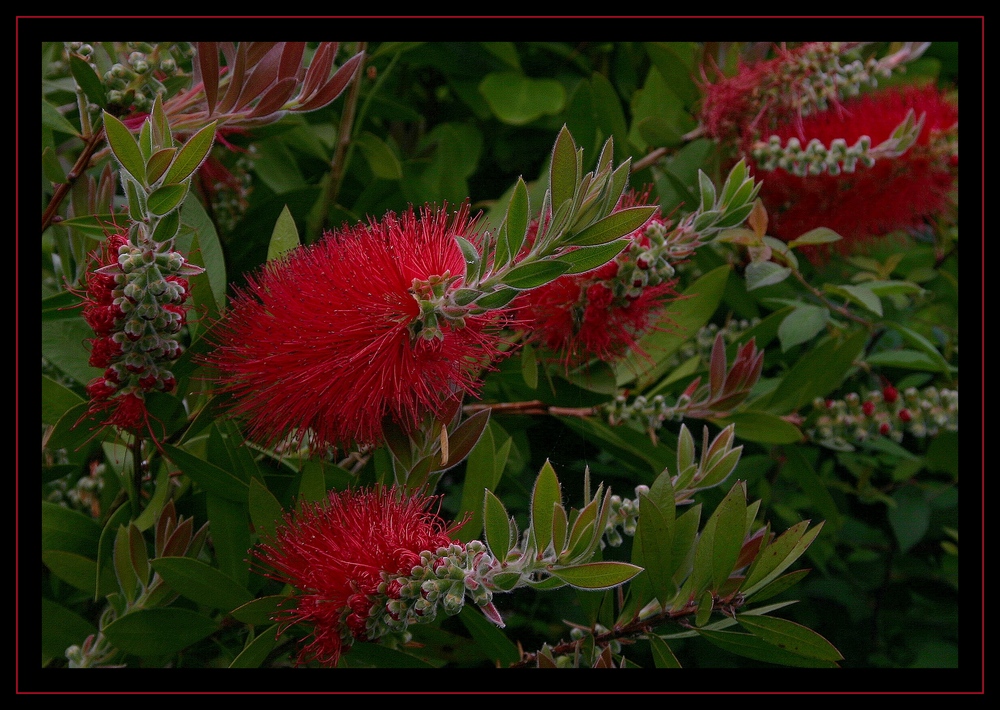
point(624, 514)
point(822, 74)
point(138, 72)
point(135, 304)
point(704, 338)
point(841, 423)
point(648, 412)
point(815, 158)
point(440, 582)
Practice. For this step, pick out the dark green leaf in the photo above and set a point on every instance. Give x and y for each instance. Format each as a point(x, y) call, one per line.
point(201, 583)
point(260, 611)
point(62, 628)
point(68, 530)
point(87, 79)
point(790, 636)
point(750, 646)
point(381, 159)
point(663, 657)
point(517, 99)
point(762, 427)
point(158, 632)
point(488, 637)
point(208, 475)
point(564, 175)
point(496, 525)
point(497, 299)
point(596, 575)
point(545, 495)
point(257, 650)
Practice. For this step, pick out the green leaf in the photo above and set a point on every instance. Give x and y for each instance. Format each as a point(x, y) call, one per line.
point(750, 646)
point(381, 159)
point(730, 531)
point(654, 540)
point(596, 575)
point(284, 236)
point(790, 636)
point(124, 147)
point(496, 525)
point(764, 273)
point(862, 295)
point(545, 496)
point(57, 400)
point(516, 220)
point(201, 583)
point(762, 427)
point(701, 300)
point(917, 340)
point(62, 628)
point(564, 175)
point(803, 324)
point(488, 637)
point(498, 298)
point(79, 571)
point(779, 555)
point(256, 652)
point(909, 517)
point(532, 275)
point(815, 374)
point(51, 118)
point(615, 225)
point(191, 155)
point(906, 359)
point(166, 198)
point(517, 99)
point(209, 476)
point(663, 657)
point(260, 611)
point(529, 366)
point(820, 235)
point(88, 79)
point(158, 632)
point(68, 530)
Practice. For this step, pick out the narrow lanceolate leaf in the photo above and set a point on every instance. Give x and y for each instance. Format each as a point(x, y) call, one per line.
point(596, 575)
point(730, 531)
point(208, 66)
point(158, 632)
point(655, 538)
point(284, 236)
point(191, 155)
point(750, 646)
point(518, 211)
point(165, 199)
point(497, 299)
point(124, 147)
point(563, 174)
point(590, 258)
point(158, 163)
point(534, 274)
point(201, 583)
point(496, 525)
point(545, 495)
point(779, 555)
point(707, 190)
point(615, 225)
point(663, 657)
point(790, 636)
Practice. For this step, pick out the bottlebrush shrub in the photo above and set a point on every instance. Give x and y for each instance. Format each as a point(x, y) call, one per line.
point(832, 149)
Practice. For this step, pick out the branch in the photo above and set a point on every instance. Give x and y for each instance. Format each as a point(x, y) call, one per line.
point(79, 168)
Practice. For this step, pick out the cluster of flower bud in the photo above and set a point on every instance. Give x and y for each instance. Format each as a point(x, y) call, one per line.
point(133, 82)
point(815, 158)
point(135, 304)
point(820, 75)
point(841, 423)
point(648, 412)
point(624, 514)
point(440, 582)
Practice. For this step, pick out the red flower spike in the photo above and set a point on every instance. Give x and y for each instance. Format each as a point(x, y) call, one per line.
point(336, 554)
point(896, 193)
point(320, 345)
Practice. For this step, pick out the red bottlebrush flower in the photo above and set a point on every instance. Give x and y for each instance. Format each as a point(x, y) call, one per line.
point(902, 192)
point(336, 554)
point(601, 313)
point(324, 343)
